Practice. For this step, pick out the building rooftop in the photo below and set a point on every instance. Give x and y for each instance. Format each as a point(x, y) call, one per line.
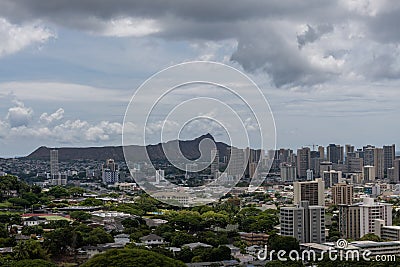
point(371, 244)
point(151, 237)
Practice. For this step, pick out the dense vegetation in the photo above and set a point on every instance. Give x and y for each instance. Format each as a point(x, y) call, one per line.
point(132, 257)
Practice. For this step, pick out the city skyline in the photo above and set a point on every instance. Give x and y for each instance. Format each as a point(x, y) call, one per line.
point(313, 147)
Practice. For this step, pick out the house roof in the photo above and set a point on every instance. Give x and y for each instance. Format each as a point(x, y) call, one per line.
point(197, 244)
point(151, 237)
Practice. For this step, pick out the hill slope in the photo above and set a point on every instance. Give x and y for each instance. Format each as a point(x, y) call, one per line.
point(189, 148)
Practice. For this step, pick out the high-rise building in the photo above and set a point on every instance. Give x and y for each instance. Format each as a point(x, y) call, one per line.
point(357, 220)
point(110, 172)
point(160, 174)
point(389, 155)
point(321, 151)
point(285, 155)
point(391, 175)
point(215, 163)
point(57, 178)
point(311, 191)
point(354, 163)
point(54, 167)
point(111, 165)
point(332, 177)
point(236, 162)
point(288, 173)
point(191, 169)
point(396, 167)
point(349, 149)
point(315, 166)
point(379, 163)
point(334, 153)
point(369, 155)
point(304, 222)
point(303, 162)
point(324, 166)
point(342, 193)
point(369, 173)
point(310, 175)
point(252, 157)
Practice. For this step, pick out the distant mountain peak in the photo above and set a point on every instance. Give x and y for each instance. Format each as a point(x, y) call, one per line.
point(189, 148)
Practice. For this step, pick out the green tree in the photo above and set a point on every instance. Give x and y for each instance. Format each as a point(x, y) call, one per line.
point(212, 218)
point(58, 192)
point(131, 257)
point(182, 238)
point(185, 255)
point(286, 243)
point(92, 202)
point(371, 237)
point(76, 191)
point(29, 249)
point(98, 236)
point(20, 202)
point(58, 241)
point(80, 216)
point(32, 230)
point(185, 220)
point(34, 263)
point(31, 197)
point(30, 263)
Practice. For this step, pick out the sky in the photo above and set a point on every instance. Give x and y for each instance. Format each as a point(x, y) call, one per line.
point(330, 70)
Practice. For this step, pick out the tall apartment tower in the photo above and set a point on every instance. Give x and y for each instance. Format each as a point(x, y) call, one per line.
point(357, 220)
point(396, 175)
point(334, 153)
point(288, 173)
point(303, 162)
point(342, 193)
point(332, 177)
point(379, 163)
point(321, 151)
point(215, 163)
point(369, 173)
point(236, 162)
point(349, 149)
point(56, 177)
point(369, 152)
point(354, 163)
point(110, 173)
point(54, 168)
point(389, 155)
point(160, 174)
point(304, 222)
point(311, 191)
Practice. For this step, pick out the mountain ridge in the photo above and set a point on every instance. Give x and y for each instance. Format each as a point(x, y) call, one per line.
point(189, 148)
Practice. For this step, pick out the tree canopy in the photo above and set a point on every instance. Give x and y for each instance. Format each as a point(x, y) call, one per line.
point(132, 257)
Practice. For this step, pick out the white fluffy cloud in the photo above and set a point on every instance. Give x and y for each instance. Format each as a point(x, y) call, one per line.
point(19, 115)
point(58, 115)
point(20, 122)
point(124, 27)
point(16, 37)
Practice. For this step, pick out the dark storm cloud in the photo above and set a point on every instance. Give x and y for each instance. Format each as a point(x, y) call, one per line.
point(257, 51)
point(208, 10)
point(384, 27)
point(264, 43)
point(312, 34)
